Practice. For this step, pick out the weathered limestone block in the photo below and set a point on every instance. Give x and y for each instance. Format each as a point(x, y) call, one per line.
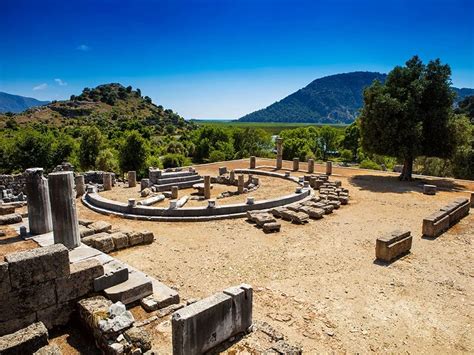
point(12, 325)
point(100, 226)
point(222, 170)
point(38, 265)
point(85, 232)
point(271, 227)
point(63, 209)
point(139, 338)
point(80, 185)
point(120, 240)
point(277, 211)
point(263, 218)
point(232, 176)
point(429, 189)
point(11, 218)
point(151, 200)
point(4, 278)
point(92, 310)
point(135, 288)
point(148, 237)
point(174, 192)
point(135, 238)
point(145, 192)
point(7, 209)
point(56, 315)
point(39, 206)
point(104, 242)
point(144, 184)
point(240, 184)
point(24, 341)
point(81, 280)
point(114, 273)
point(51, 349)
point(310, 166)
point(435, 224)
point(393, 245)
point(23, 302)
point(201, 326)
point(207, 187)
point(296, 164)
point(107, 181)
point(132, 178)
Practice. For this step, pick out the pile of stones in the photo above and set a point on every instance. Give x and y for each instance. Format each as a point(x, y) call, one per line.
point(264, 220)
point(102, 236)
point(333, 191)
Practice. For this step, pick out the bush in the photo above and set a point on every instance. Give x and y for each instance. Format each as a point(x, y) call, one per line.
point(369, 164)
point(346, 155)
point(174, 161)
point(107, 161)
point(216, 155)
point(133, 153)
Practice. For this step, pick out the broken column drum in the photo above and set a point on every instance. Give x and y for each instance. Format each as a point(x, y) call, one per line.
point(253, 162)
point(207, 187)
point(132, 178)
point(328, 167)
point(144, 183)
point(80, 185)
point(39, 207)
point(279, 147)
point(63, 209)
point(240, 185)
point(174, 192)
point(310, 166)
point(107, 181)
point(296, 164)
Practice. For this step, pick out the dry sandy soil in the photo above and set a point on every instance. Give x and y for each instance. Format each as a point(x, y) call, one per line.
point(318, 284)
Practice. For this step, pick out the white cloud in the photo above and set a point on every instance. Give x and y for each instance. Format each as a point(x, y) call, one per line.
point(40, 87)
point(60, 82)
point(83, 47)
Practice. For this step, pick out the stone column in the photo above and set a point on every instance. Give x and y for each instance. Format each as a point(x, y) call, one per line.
point(207, 187)
point(310, 166)
point(39, 207)
point(279, 146)
point(174, 192)
point(253, 162)
point(107, 181)
point(144, 183)
point(63, 208)
point(80, 185)
point(472, 199)
point(222, 170)
point(296, 164)
point(240, 185)
point(328, 167)
point(232, 176)
point(132, 178)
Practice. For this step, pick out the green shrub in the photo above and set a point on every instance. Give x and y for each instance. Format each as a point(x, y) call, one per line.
point(174, 160)
point(216, 155)
point(369, 164)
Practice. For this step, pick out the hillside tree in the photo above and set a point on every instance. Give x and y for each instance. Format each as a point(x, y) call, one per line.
point(89, 147)
point(133, 153)
point(411, 114)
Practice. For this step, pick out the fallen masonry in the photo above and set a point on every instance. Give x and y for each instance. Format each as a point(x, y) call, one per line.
point(25, 341)
point(203, 325)
point(393, 245)
point(440, 221)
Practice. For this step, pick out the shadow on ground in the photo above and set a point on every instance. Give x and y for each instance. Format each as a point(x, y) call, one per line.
point(380, 183)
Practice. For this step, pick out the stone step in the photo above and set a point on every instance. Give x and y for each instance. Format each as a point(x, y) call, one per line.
point(181, 185)
point(164, 181)
point(177, 174)
point(135, 288)
point(115, 273)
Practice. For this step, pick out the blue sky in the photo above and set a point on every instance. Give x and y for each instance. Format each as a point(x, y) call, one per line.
point(221, 59)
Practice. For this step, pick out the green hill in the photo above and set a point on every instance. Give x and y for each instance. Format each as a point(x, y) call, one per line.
point(332, 99)
point(17, 103)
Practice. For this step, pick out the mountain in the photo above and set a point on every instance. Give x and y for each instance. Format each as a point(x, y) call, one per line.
point(331, 99)
point(106, 105)
point(17, 103)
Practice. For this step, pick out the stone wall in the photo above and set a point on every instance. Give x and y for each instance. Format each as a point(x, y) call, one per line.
point(16, 183)
point(96, 177)
point(40, 285)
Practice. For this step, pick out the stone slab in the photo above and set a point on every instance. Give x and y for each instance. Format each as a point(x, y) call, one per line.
point(100, 226)
point(44, 240)
point(135, 288)
point(120, 240)
point(393, 245)
point(24, 341)
point(83, 252)
point(51, 349)
point(38, 265)
point(11, 218)
point(115, 273)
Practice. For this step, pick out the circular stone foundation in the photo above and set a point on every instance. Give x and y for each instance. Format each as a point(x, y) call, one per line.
point(99, 204)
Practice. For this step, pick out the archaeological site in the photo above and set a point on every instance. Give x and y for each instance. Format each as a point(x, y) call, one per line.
point(246, 256)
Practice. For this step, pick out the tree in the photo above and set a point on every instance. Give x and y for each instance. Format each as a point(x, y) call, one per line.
point(352, 139)
point(133, 152)
point(327, 140)
point(106, 160)
point(411, 114)
point(89, 147)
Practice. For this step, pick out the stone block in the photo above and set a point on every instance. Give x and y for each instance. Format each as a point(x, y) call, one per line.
point(85, 232)
point(135, 288)
point(85, 222)
point(7, 209)
point(114, 273)
point(393, 245)
point(24, 341)
point(148, 237)
point(51, 349)
point(101, 241)
point(20, 303)
point(4, 278)
point(57, 315)
point(429, 189)
point(435, 224)
point(271, 227)
point(92, 310)
point(135, 238)
point(100, 226)
point(120, 240)
point(11, 218)
point(15, 324)
point(38, 265)
point(139, 338)
point(81, 280)
point(201, 326)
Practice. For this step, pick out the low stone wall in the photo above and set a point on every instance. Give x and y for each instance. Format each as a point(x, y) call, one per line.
point(16, 183)
point(393, 245)
point(440, 221)
point(96, 177)
point(40, 285)
point(201, 326)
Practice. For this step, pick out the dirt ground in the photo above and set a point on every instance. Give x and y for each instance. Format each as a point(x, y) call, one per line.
point(318, 284)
